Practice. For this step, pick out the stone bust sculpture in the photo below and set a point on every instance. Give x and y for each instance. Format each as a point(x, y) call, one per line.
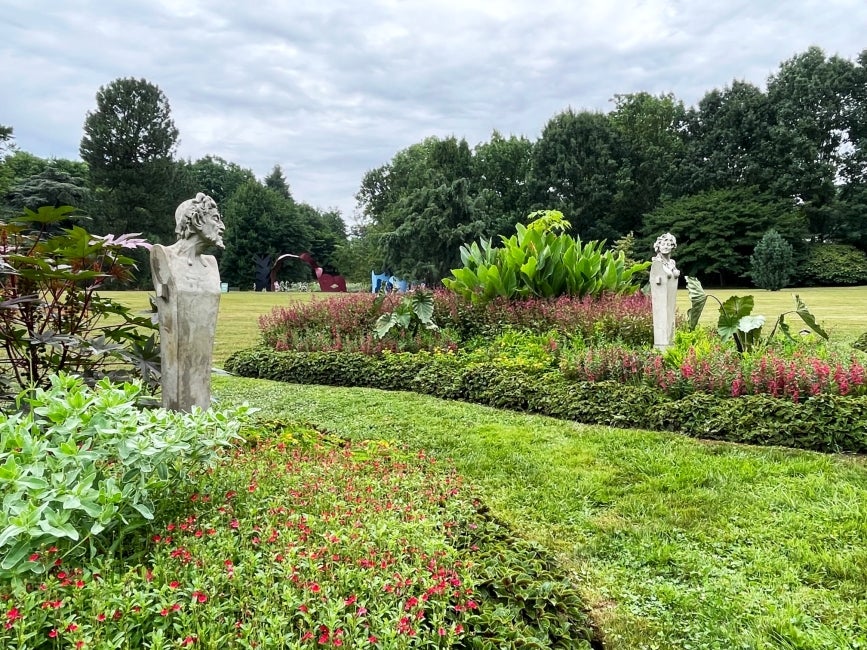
point(187, 285)
point(663, 290)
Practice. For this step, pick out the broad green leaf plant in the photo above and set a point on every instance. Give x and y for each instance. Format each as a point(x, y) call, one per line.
point(51, 315)
point(737, 322)
point(542, 261)
point(82, 467)
point(412, 313)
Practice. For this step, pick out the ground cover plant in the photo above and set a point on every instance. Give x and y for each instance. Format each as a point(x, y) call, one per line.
point(298, 540)
point(81, 469)
point(679, 543)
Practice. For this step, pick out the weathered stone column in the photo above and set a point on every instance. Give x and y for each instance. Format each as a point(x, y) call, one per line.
point(187, 285)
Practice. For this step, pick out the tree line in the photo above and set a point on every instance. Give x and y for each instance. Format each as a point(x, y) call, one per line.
point(129, 179)
point(743, 161)
point(791, 158)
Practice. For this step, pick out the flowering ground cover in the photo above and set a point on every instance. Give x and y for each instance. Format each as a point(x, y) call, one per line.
point(302, 541)
point(679, 543)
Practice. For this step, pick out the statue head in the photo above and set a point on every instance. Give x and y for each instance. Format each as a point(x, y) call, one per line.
point(199, 216)
point(665, 244)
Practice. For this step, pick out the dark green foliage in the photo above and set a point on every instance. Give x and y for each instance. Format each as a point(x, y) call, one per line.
point(581, 168)
point(835, 265)
point(5, 136)
point(653, 128)
point(128, 144)
point(727, 142)
point(276, 182)
point(772, 262)
point(818, 105)
point(528, 601)
point(830, 423)
point(501, 170)
point(327, 235)
point(52, 187)
point(217, 178)
point(260, 221)
point(861, 343)
point(718, 230)
point(20, 168)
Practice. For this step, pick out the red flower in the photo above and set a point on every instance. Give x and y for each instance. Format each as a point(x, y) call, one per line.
point(11, 616)
point(52, 634)
point(200, 597)
point(174, 584)
point(100, 617)
point(190, 640)
point(34, 557)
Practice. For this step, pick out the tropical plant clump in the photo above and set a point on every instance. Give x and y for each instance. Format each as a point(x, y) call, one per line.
point(737, 322)
point(542, 261)
point(51, 316)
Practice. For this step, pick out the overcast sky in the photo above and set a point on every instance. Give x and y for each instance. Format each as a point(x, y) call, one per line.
point(332, 88)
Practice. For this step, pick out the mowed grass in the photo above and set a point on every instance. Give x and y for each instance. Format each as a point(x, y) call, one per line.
point(675, 542)
point(238, 320)
point(842, 311)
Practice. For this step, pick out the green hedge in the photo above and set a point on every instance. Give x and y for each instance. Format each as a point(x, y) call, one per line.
point(829, 423)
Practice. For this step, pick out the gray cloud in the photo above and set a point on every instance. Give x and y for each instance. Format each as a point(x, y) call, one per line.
point(335, 88)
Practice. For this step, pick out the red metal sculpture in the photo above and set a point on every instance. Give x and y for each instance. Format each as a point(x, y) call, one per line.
point(327, 282)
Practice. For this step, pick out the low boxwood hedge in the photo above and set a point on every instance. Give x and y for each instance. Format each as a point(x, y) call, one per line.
point(829, 423)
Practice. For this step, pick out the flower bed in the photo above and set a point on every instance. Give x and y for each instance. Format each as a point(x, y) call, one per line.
point(346, 323)
point(303, 541)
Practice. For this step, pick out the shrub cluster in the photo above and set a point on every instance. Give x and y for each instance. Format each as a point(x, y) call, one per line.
point(51, 318)
point(835, 265)
point(824, 422)
point(346, 322)
point(81, 468)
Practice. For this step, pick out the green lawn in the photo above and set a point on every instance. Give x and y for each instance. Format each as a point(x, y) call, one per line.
point(238, 322)
point(842, 310)
point(676, 542)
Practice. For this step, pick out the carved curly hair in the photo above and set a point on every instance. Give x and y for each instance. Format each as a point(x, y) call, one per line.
point(191, 214)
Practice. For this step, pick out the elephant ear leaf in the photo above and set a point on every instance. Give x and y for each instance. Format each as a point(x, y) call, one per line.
point(808, 318)
point(697, 299)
